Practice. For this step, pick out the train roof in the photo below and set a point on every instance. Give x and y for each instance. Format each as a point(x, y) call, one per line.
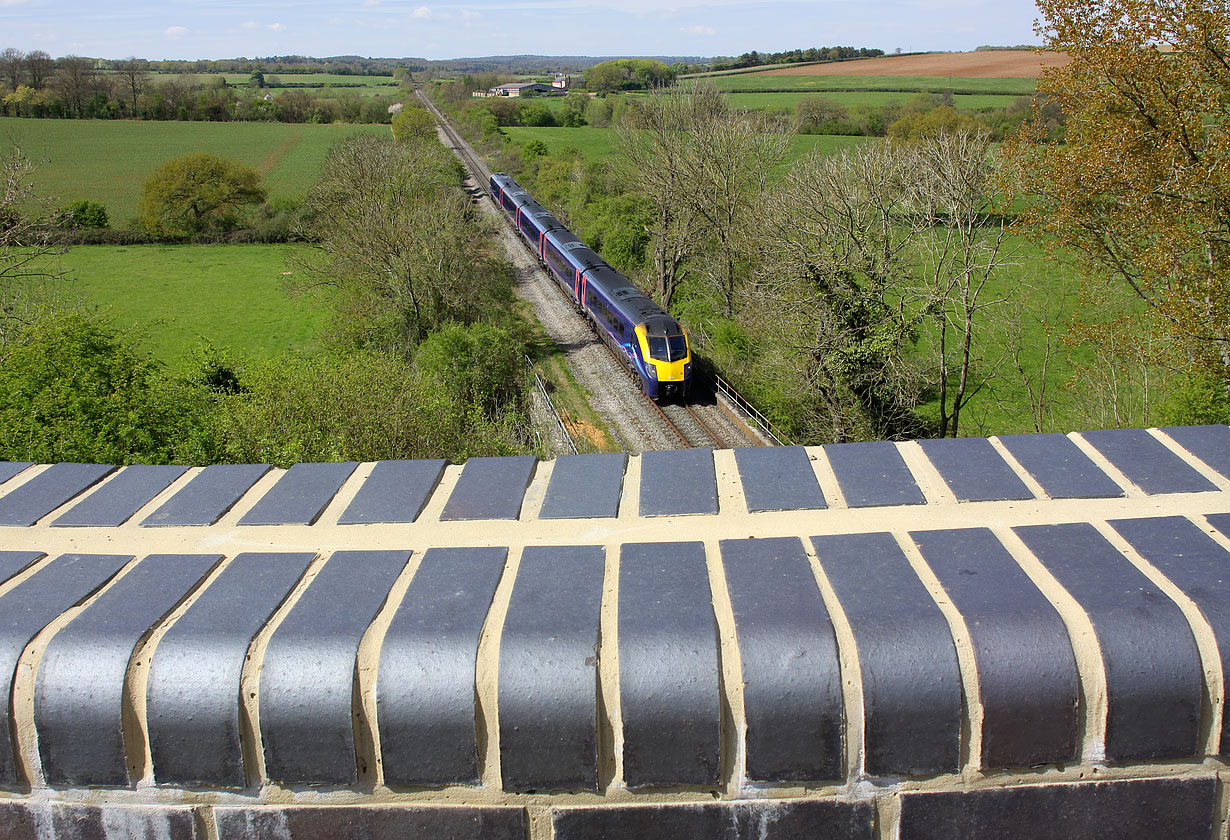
point(632, 303)
point(544, 217)
point(574, 250)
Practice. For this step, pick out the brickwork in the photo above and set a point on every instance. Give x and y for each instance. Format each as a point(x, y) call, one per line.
point(966, 638)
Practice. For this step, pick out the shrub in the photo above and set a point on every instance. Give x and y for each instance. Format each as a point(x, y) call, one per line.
point(85, 214)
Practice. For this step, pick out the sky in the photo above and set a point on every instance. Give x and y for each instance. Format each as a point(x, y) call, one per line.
point(210, 29)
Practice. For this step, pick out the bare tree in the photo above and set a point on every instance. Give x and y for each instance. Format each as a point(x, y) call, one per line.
point(703, 165)
point(836, 269)
point(76, 82)
point(655, 138)
point(12, 67)
point(134, 78)
point(961, 254)
point(391, 229)
point(27, 238)
point(39, 67)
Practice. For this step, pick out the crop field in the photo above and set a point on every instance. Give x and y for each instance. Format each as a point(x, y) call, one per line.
point(107, 160)
point(180, 296)
point(768, 83)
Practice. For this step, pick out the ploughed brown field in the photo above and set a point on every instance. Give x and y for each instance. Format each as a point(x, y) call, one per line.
point(986, 64)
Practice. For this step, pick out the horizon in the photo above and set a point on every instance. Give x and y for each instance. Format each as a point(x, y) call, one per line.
point(201, 30)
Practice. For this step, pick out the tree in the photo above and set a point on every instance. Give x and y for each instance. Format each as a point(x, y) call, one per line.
point(392, 235)
point(27, 236)
point(1140, 190)
point(12, 67)
point(197, 193)
point(39, 67)
point(811, 112)
point(836, 265)
point(961, 250)
point(76, 81)
point(703, 165)
point(85, 213)
point(413, 122)
point(134, 78)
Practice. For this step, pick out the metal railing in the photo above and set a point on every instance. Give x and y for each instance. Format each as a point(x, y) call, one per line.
point(559, 421)
point(763, 423)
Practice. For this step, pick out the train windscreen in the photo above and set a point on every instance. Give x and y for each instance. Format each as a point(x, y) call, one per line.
point(669, 348)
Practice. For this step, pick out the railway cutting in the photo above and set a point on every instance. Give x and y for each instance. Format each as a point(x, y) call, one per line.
point(637, 423)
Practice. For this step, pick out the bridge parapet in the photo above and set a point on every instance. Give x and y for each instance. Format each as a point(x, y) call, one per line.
point(927, 639)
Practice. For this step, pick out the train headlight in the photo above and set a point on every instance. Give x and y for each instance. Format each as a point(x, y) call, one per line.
point(651, 371)
point(687, 370)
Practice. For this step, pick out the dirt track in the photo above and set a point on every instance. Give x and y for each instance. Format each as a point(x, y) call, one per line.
point(1018, 64)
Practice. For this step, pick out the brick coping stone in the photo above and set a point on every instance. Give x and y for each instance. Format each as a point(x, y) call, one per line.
point(1008, 637)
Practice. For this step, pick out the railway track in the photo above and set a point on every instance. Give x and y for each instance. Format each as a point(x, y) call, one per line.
point(700, 423)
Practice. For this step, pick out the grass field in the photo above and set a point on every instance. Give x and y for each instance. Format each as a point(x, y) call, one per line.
point(179, 296)
point(759, 83)
point(597, 143)
point(361, 84)
point(107, 160)
point(875, 99)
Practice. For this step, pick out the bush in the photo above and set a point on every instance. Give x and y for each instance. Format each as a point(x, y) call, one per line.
point(73, 389)
point(85, 214)
point(360, 406)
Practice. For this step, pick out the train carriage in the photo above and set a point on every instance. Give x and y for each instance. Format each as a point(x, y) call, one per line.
point(646, 340)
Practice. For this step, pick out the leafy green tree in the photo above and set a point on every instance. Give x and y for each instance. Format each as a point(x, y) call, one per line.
point(198, 193)
point(411, 121)
point(1140, 190)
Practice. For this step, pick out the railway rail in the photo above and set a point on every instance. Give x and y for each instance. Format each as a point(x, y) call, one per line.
point(698, 424)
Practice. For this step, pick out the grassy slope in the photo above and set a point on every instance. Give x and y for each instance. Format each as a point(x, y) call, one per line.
point(106, 160)
point(181, 295)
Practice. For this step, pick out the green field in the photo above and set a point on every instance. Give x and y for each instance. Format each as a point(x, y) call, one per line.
point(378, 84)
point(592, 143)
point(179, 296)
point(597, 143)
point(106, 160)
point(874, 99)
point(932, 84)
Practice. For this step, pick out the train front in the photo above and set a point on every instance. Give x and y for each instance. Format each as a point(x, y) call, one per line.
point(668, 359)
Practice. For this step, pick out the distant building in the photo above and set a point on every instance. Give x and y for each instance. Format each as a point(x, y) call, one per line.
point(521, 88)
point(562, 80)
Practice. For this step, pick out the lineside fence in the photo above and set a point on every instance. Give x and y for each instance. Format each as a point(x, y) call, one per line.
point(764, 424)
point(546, 398)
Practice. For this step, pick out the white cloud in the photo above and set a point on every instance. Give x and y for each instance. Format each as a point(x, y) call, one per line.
point(249, 25)
point(699, 29)
point(370, 4)
point(175, 31)
point(7, 3)
point(277, 27)
point(422, 13)
point(467, 14)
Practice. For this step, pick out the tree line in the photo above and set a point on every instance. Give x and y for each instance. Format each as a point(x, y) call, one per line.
point(753, 58)
point(76, 87)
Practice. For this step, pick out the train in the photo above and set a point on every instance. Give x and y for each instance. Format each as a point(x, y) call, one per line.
point(650, 344)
